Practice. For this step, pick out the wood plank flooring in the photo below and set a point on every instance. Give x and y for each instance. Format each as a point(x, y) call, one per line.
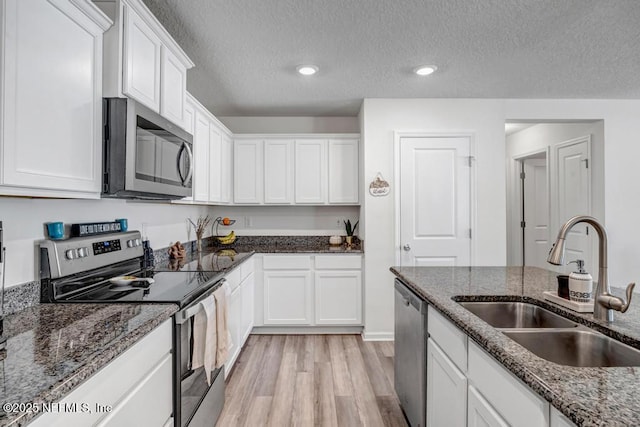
point(312, 380)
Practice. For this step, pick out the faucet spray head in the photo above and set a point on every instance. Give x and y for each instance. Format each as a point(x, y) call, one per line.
point(556, 254)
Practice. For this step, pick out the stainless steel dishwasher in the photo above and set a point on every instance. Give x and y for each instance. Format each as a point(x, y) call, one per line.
point(410, 357)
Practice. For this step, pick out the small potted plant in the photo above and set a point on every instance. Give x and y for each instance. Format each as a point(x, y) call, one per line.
point(350, 230)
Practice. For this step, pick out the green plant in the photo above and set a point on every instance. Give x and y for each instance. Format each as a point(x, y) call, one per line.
point(348, 229)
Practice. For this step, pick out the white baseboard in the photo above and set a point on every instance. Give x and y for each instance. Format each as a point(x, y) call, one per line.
point(305, 330)
point(377, 336)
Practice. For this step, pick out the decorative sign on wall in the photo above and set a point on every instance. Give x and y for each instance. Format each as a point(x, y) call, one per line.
point(379, 187)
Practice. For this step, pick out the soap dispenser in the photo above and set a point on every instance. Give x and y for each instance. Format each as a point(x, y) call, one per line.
point(580, 284)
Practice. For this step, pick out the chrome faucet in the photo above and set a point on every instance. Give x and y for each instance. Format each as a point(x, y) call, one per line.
point(605, 303)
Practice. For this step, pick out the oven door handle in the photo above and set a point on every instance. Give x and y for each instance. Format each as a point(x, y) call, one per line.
point(194, 308)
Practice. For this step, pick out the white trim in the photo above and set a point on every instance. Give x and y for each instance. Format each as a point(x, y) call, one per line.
point(473, 197)
point(91, 11)
point(306, 330)
point(377, 336)
point(209, 114)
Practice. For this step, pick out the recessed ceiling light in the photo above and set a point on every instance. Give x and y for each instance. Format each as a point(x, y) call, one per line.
point(307, 70)
point(425, 70)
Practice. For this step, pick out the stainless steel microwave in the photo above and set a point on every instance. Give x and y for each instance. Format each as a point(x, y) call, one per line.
point(145, 156)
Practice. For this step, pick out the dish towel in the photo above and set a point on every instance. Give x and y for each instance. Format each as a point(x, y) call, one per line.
point(205, 337)
point(224, 336)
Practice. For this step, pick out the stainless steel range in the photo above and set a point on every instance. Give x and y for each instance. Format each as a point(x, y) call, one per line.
point(80, 270)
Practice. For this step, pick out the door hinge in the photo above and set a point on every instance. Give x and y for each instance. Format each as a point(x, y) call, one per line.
point(522, 175)
point(471, 159)
point(523, 224)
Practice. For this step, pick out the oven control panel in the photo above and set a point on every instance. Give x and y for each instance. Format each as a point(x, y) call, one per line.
point(106, 246)
point(80, 254)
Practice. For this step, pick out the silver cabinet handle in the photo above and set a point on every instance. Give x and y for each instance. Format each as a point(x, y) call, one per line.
point(406, 247)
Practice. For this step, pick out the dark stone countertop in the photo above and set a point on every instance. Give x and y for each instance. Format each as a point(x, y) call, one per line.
point(53, 348)
point(292, 244)
point(587, 396)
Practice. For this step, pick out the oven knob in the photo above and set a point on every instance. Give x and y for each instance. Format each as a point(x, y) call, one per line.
point(137, 242)
point(70, 254)
point(83, 252)
point(130, 243)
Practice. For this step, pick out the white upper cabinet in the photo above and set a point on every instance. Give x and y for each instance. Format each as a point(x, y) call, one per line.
point(248, 171)
point(142, 49)
point(215, 163)
point(311, 171)
point(201, 140)
point(343, 171)
point(278, 172)
point(142, 61)
point(51, 120)
point(173, 79)
point(226, 168)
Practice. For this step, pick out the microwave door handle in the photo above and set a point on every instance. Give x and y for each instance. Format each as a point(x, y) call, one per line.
point(185, 147)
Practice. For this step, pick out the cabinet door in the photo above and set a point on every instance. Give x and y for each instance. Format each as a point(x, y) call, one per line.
point(141, 51)
point(338, 297)
point(287, 298)
point(226, 169)
point(189, 117)
point(173, 79)
point(311, 171)
point(480, 412)
point(278, 171)
point(446, 390)
point(215, 163)
point(247, 171)
point(247, 306)
point(51, 128)
point(201, 138)
point(343, 171)
point(234, 323)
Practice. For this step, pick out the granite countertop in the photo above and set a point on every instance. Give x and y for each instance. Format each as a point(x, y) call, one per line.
point(52, 348)
point(587, 396)
point(293, 244)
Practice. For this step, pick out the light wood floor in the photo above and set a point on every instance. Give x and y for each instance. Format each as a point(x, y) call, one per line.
point(312, 380)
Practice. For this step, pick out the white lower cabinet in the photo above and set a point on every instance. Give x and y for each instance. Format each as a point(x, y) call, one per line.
point(446, 390)
point(338, 297)
point(310, 290)
point(137, 386)
point(239, 309)
point(467, 386)
point(287, 298)
point(480, 413)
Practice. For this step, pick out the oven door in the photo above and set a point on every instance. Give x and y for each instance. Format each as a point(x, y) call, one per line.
point(196, 403)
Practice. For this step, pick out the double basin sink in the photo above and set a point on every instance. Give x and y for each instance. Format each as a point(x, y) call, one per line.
point(553, 337)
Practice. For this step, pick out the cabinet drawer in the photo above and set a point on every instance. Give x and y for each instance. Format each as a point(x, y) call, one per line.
point(514, 401)
point(338, 262)
point(450, 339)
point(286, 262)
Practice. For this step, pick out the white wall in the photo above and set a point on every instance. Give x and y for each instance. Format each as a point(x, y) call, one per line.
point(288, 220)
point(540, 137)
point(292, 124)
point(381, 117)
point(23, 223)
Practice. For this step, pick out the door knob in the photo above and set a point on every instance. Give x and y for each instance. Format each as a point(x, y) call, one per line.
point(406, 247)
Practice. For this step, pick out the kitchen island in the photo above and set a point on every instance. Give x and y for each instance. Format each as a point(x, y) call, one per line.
point(587, 396)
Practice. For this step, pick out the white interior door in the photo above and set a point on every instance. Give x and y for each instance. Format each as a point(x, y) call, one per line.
point(435, 215)
point(574, 198)
point(536, 213)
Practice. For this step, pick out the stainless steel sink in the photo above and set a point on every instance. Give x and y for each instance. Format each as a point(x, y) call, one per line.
point(576, 348)
point(516, 315)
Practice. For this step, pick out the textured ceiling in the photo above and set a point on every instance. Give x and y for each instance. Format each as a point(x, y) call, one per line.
point(246, 51)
